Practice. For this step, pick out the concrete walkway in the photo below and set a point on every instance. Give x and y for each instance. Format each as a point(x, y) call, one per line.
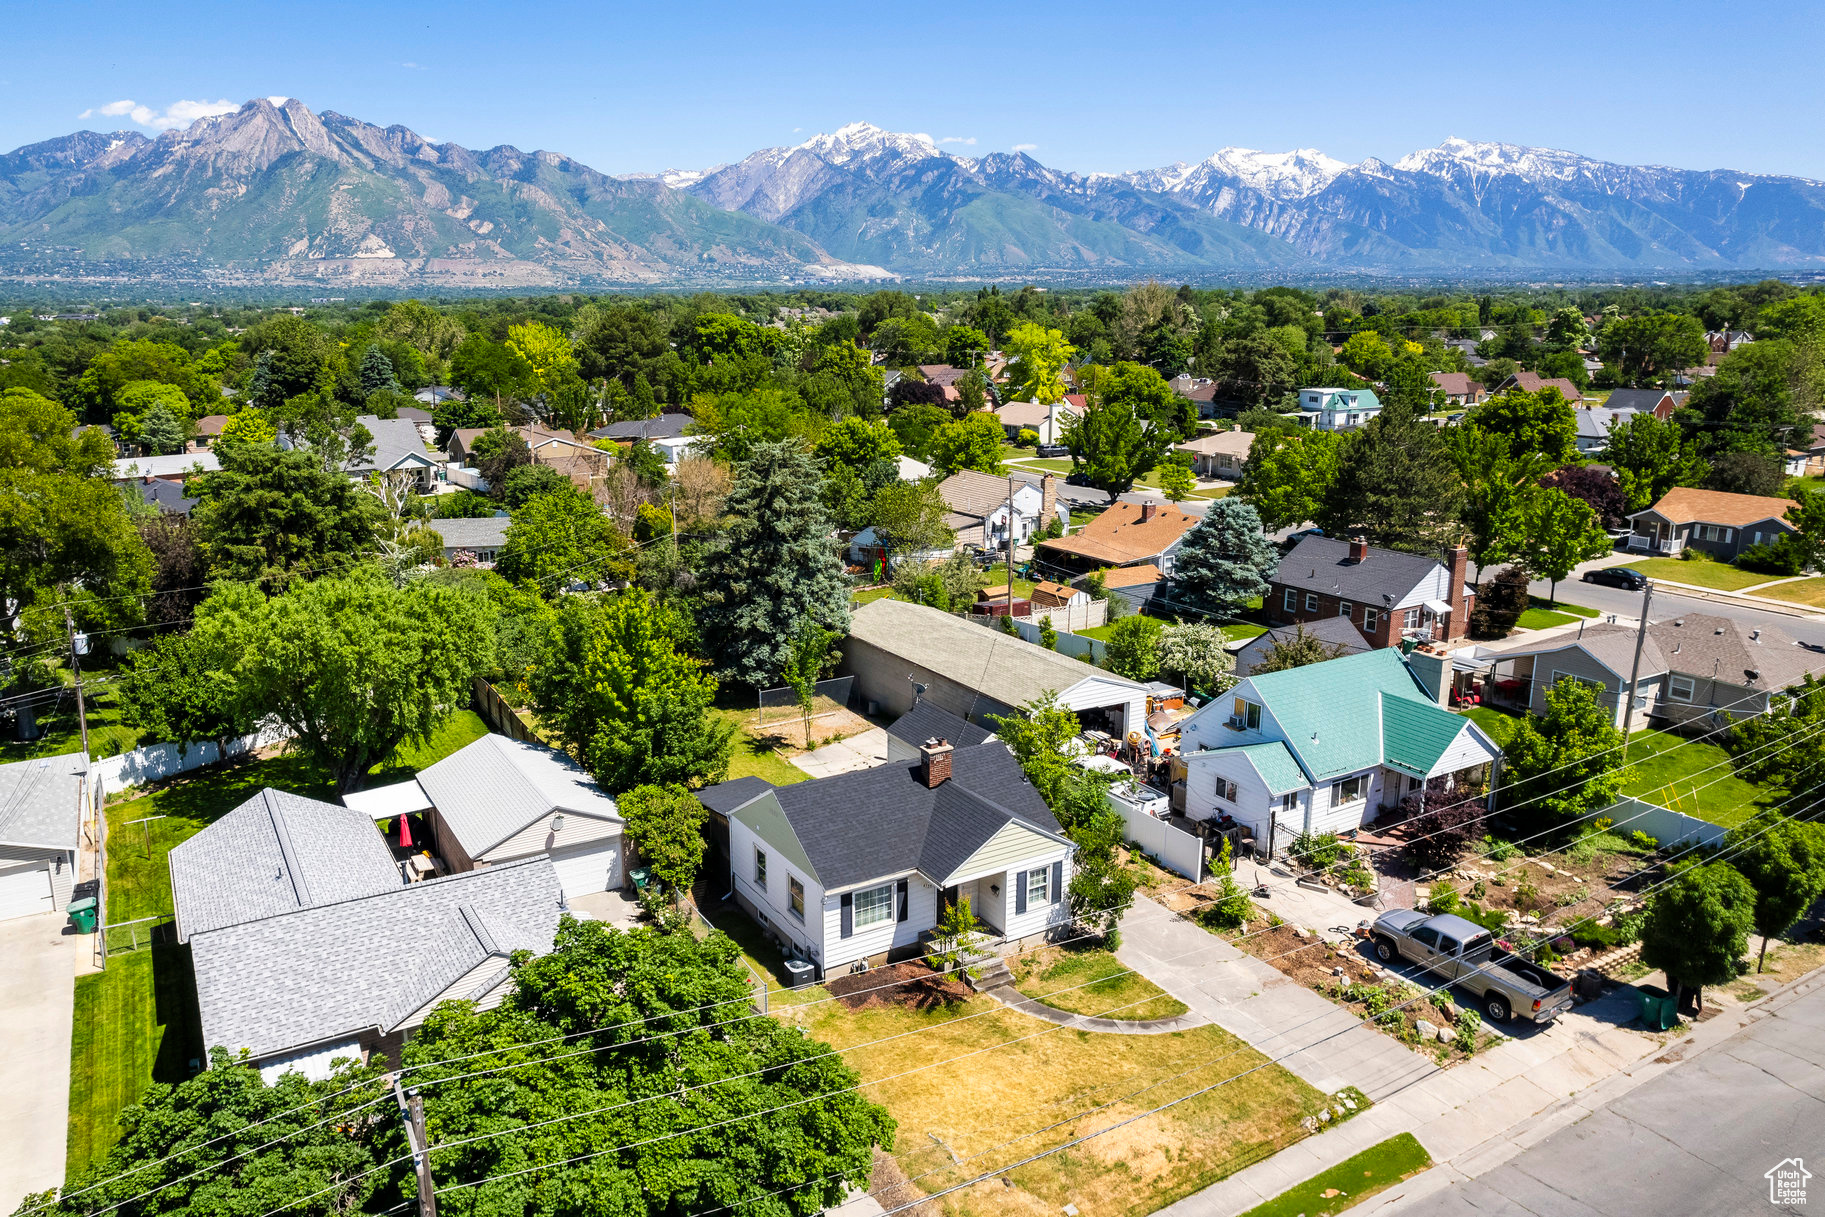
point(1014, 999)
point(1316, 1039)
point(37, 1005)
point(864, 751)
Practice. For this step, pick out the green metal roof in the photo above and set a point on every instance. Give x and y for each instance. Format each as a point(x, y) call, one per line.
point(1356, 712)
point(1276, 767)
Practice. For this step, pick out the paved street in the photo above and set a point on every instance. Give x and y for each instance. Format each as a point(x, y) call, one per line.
point(1669, 603)
point(37, 1001)
point(1697, 1139)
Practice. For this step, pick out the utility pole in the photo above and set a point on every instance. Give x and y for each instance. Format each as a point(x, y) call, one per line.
point(412, 1111)
point(82, 715)
point(1010, 545)
point(1641, 637)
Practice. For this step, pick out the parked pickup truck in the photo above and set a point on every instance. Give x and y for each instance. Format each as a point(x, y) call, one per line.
point(1465, 954)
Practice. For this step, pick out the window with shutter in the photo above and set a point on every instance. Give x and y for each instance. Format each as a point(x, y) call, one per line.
point(899, 895)
point(846, 919)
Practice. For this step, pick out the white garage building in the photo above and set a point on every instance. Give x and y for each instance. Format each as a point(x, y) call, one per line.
point(975, 672)
point(500, 800)
point(40, 831)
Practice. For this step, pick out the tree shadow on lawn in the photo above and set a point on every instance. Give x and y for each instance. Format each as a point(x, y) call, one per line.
point(175, 1004)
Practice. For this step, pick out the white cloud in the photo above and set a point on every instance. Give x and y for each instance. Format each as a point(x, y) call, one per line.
point(1026, 147)
point(970, 140)
point(416, 67)
point(178, 114)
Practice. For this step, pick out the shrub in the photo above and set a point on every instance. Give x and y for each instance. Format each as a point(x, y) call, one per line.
point(1445, 822)
point(1440, 1000)
point(1442, 899)
point(1469, 1024)
point(1641, 840)
point(1318, 851)
point(1028, 438)
point(1500, 601)
point(1693, 554)
point(1497, 850)
point(1785, 555)
point(1526, 894)
point(1604, 823)
point(1231, 909)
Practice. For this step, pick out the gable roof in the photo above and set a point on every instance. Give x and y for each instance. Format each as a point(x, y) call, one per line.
point(396, 443)
point(1008, 670)
point(942, 373)
point(167, 496)
point(1455, 384)
point(877, 823)
point(1530, 382)
point(172, 464)
point(211, 424)
point(276, 853)
point(1139, 575)
point(1595, 423)
point(1234, 443)
point(1332, 631)
point(1703, 645)
point(1689, 505)
point(1636, 399)
point(977, 494)
point(492, 788)
point(1323, 564)
point(1339, 398)
point(330, 972)
point(41, 801)
point(926, 720)
point(666, 426)
point(1356, 712)
point(725, 797)
point(1120, 536)
point(1278, 768)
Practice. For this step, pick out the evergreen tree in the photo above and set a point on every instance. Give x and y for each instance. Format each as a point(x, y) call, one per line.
point(160, 431)
point(1225, 560)
point(376, 373)
point(774, 568)
point(1396, 485)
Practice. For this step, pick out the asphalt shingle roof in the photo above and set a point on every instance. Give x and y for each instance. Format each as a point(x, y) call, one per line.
point(928, 721)
point(41, 801)
point(725, 797)
point(1703, 645)
point(1332, 631)
point(666, 426)
point(1009, 670)
point(483, 532)
point(490, 789)
point(277, 853)
point(1688, 504)
point(1322, 564)
point(873, 823)
point(396, 441)
point(336, 970)
point(1635, 399)
point(1120, 535)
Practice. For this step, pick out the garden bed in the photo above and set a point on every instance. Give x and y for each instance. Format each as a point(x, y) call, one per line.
point(912, 985)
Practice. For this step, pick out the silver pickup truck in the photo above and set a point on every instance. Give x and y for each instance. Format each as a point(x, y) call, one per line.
point(1465, 954)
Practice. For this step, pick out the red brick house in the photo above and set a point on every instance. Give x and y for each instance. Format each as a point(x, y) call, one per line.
point(1385, 594)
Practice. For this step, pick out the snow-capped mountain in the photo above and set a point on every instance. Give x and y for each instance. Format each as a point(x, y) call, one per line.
point(1284, 175)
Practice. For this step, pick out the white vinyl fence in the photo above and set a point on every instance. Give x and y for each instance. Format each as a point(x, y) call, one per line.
point(1072, 645)
point(156, 761)
point(1173, 848)
point(1663, 824)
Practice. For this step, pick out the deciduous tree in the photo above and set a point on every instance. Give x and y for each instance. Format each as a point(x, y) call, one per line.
point(561, 538)
point(1785, 863)
point(1697, 929)
point(1111, 446)
point(665, 824)
point(1296, 652)
point(1558, 532)
point(1568, 762)
point(1288, 475)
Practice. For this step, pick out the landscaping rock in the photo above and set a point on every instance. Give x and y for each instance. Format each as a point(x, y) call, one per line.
point(1309, 1124)
point(1549, 868)
point(1299, 931)
point(1324, 1117)
point(1427, 1030)
point(1337, 1112)
point(1446, 1035)
point(1350, 1103)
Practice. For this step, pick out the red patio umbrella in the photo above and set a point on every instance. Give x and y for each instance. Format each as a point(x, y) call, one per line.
point(405, 832)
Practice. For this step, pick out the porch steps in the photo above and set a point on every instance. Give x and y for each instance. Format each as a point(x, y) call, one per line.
point(993, 974)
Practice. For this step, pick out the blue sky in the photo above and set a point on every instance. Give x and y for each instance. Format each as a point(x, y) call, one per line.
point(1088, 87)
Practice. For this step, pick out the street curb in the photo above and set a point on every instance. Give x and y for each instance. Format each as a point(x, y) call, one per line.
point(1784, 607)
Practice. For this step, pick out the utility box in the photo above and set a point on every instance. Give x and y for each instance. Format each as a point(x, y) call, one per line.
point(800, 972)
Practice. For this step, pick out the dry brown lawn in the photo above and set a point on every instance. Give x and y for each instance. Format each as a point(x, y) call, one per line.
point(1004, 1086)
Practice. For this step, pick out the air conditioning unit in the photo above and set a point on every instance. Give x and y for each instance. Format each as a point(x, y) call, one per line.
point(1237, 721)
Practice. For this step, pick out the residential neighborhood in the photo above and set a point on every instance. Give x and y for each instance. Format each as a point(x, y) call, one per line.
point(1059, 748)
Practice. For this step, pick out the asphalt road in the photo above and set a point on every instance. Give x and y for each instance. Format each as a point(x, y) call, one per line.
point(1669, 604)
point(1699, 1139)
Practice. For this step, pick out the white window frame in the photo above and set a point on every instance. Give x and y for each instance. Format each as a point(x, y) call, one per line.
point(872, 906)
point(1673, 683)
point(1249, 712)
point(1291, 600)
point(1410, 619)
point(760, 868)
point(1345, 609)
point(1340, 792)
point(1371, 618)
point(1039, 886)
point(1311, 602)
point(1289, 801)
point(1226, 789)
point(795, 897)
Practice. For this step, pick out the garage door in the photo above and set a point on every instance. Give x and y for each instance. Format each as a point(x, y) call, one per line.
point(25, 890)
point(594, 867)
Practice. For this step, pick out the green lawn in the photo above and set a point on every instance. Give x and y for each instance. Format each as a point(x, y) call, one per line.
point(1542, 619)
point(1351, 1181)
point(1091, 982)
point(1242, 631)
point(1718, 575)
point(755, 758)
point(136, 1023)
point(1684, 775)
point(1498, 725)
point(1804, 591)
point(61, 733)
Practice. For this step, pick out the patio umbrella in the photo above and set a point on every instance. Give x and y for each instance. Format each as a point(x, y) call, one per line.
point(405, 832)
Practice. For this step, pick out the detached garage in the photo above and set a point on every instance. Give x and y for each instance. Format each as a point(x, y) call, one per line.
point(499, 800)
point(40, 832)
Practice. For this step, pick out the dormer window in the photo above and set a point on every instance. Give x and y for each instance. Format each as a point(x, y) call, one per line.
point(1247, 715)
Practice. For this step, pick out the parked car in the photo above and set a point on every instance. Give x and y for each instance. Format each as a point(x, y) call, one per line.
point(1293, 539)
point(1617, 576)
point(1464, 954)
point(1052, 450)
point(1078, 479)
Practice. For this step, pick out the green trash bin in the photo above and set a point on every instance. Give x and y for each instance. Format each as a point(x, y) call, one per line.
point(642, 877)
point(82, 915)
point(1659, 1010)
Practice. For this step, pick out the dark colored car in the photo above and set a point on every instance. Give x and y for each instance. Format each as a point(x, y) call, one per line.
point(1053, 450)
point(1078, 479)
point(1617, 576)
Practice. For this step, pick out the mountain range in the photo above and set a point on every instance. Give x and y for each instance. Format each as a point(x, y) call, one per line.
point(273, 193)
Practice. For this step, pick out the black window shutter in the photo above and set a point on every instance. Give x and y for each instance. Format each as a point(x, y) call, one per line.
point(950, 897)
point(848, 915)
point(1058, 881)
point(899, 893)
point(1020, 892)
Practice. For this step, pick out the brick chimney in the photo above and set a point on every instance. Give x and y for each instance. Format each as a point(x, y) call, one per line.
point(1048, 499)
point(935, 762)
point(1359, 549)
point(1457, 594)
point(1148, 511)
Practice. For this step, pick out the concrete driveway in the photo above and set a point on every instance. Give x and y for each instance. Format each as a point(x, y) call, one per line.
point(37, 996)
point(864, 751)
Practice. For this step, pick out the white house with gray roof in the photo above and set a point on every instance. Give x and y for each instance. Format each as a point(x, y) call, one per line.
point(344, 979)
point(483, 536)
point(41, 803)
point(398, 448)
point(857, 867)
point(1322, 748)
